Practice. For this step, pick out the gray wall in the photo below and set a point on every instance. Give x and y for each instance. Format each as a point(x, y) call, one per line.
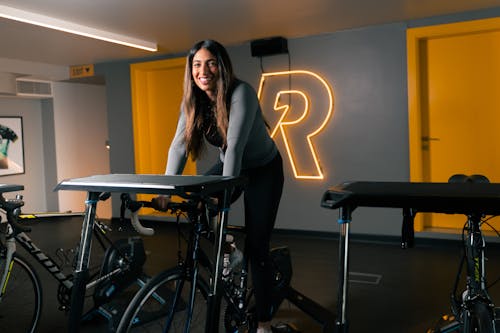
point(80, 135)
point(49, 154)
point(120, 130)
point(367, 138)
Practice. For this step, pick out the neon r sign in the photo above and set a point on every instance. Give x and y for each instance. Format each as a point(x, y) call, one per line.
point(300, 119)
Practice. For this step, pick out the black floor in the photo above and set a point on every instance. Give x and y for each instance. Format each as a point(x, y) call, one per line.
point(391, 290)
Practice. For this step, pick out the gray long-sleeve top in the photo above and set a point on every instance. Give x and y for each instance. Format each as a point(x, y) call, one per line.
point(248, 142)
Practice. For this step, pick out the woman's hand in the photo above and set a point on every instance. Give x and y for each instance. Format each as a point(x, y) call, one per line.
point(161, 202)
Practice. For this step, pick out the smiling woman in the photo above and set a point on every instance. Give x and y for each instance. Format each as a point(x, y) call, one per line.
point(220, 109)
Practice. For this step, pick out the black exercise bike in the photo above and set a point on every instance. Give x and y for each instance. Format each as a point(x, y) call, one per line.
point(473, 309)
point(20, 286)
point(175, 299)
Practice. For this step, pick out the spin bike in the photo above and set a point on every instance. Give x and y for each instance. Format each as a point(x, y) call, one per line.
point(473, 309)
point(472, 197)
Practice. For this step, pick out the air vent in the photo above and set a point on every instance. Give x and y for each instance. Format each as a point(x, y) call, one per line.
point(7, 84)
point(33, 88)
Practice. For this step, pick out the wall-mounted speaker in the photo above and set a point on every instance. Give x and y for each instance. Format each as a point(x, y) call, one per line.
point(268, 46)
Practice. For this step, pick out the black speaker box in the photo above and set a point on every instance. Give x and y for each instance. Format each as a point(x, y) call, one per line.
point(268, 46)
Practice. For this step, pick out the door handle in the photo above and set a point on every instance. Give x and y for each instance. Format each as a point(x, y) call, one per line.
point(427, 139)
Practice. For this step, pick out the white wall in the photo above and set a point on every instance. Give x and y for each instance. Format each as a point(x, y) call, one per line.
point(34, 69)
point(80, 124)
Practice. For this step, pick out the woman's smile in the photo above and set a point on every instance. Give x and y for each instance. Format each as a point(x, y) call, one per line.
point(205, 71)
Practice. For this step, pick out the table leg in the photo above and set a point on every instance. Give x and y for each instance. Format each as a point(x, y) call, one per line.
point(82, 264)
point(343, 282)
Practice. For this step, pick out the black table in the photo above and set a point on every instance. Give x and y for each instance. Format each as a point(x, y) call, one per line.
point(195, 187)
point(450, 198)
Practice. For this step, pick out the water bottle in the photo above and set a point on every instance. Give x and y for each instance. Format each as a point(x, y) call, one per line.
point(236, 256)
point(233, 257)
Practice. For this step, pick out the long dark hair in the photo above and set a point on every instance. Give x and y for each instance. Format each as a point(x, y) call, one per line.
point(194, 97)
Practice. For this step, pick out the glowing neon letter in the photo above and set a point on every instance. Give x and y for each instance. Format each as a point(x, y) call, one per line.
point(301, 119)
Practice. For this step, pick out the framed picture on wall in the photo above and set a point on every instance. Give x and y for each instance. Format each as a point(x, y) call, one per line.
point(11, 146)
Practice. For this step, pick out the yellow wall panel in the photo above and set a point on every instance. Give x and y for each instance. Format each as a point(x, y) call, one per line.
point(453, 103)
point(156, 97)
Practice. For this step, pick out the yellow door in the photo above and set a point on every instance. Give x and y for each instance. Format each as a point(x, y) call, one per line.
point(156, 97)
point(456, 119)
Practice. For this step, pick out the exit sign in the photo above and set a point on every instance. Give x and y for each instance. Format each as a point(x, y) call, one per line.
point(81, 71)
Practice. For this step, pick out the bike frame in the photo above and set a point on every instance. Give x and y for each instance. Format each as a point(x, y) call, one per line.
point(10, 248)
point(476, 272)
point(196, 258)
point(474, 245)
point(474, 248)
point(190, 266)
point(45, 260)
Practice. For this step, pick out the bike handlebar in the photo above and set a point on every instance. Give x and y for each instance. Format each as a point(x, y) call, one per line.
point(137, 225)
point(12, 209)
point(134, 206)
point(407, 229)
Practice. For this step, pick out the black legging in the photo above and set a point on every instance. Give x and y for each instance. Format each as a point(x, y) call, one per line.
point(262, 197)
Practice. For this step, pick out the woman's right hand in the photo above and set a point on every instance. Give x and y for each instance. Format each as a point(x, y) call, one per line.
point(161, 202)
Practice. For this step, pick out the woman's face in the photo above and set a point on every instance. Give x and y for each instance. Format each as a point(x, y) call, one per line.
point(205, 72)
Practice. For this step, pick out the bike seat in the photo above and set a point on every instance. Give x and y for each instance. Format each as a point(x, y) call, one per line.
point(461, 178)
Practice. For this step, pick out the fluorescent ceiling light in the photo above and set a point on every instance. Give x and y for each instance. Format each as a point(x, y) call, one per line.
point(53, 23)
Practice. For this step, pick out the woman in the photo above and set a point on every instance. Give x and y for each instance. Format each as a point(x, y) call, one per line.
point(224, 111)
